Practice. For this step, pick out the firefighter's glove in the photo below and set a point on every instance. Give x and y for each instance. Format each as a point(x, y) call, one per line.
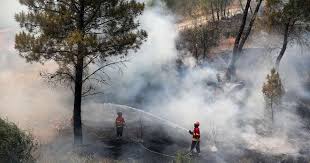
point(190, 132)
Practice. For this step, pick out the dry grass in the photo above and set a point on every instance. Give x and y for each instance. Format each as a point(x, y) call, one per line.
point(74, 158)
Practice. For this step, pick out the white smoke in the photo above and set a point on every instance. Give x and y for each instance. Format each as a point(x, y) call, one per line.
point(153, 82)
point(26, 98)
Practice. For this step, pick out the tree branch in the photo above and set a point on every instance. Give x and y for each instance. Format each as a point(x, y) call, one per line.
point(62, 73)
point(249, 29)
point(102, 67)
point(51, 10)
point(92, 94)
point(90, 19)
point(90, 61)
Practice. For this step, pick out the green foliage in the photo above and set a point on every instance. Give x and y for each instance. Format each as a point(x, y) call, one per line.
point(188, 7)
point(280, 12)
point(16, 146)
point(175, 4)
point(63, 31)
point(76, 34)
point(200, 39)
point(290, 18)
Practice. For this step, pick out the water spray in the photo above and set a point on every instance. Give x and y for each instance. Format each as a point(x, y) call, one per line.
point(149, 114)
point(213, 148)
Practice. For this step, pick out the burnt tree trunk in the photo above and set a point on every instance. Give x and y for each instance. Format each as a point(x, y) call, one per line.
point(225, 5)
point(249, 29)
point(77, 118)
point(231, 71)
point(284, 45)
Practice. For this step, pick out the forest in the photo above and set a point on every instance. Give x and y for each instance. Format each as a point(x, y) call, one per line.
point(154, 81)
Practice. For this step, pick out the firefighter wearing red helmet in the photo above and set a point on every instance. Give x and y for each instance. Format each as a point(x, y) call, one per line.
point(119, 124)
point(196, 137)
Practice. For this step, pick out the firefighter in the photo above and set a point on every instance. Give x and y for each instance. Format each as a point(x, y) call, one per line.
point(218, 77)
point(196, 138)
point(119, 124)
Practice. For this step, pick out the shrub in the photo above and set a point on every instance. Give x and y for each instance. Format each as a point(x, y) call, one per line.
point(183, 157)
point(16, 146)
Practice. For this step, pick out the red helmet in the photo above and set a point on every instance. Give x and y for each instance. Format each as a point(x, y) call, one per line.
point(196, 123)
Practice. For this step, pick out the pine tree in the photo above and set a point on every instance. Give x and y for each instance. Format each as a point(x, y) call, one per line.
point(76, 34)
point(273, 91)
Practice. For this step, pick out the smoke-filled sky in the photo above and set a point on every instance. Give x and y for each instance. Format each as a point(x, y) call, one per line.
point(25, 98)
point(179, 95)
point(7, 23)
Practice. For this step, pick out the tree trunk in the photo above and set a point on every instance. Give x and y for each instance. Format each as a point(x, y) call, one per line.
point(225, 5)
point(271, 107)
point(249, 29)
point(218, 13)
point(284, 46)
point(251, 10)
point(221, 8)
point(241, 5)
point(196, 51)
point(212, 10)
point(77, 120)
point(204, 42)
point(231, 71)
point(218, 10)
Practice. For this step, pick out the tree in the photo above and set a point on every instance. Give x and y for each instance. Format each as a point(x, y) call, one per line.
point(231, 69)
point(291, 18)
point(76, 34)
point(217, 6)
point(181, 7)
point(242, 37)
point(200, 38)
point(273, 90)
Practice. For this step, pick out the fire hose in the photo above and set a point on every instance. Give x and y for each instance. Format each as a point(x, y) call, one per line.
point(158, 153)
point(144, 147)
point(149, 150)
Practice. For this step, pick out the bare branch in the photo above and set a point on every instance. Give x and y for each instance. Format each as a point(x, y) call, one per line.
point(90, 61)
point(58, 74)
point(92, 94)
point(102, 67)
point(90, 88)
point(101, 80)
